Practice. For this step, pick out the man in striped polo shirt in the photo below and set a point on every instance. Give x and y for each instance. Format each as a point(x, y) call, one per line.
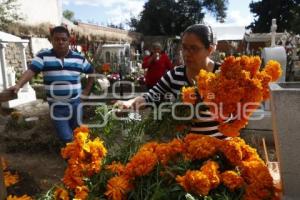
point(61, 70)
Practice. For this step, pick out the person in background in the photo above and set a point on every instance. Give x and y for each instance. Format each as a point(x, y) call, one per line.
point(157, 64)
point(61, 68)
point(197, 46)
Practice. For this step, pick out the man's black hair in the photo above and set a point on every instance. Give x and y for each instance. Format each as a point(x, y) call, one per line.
point(59, 29)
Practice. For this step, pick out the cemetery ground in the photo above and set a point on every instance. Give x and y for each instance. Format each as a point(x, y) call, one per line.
point(31, 149)
point(29, 145)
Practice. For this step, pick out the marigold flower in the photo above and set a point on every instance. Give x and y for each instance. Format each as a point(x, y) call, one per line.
point(252, 65)
point(188, 95)
point(141, 164)
point(117, 188)
point(195, 182)
point(61, 194)
point(81, 192)
point(150, 146)
point(163, 152)
point(232, 151)
point(232, 180)
point(211, 170)
point(239, 83)
point(116, 167)
point(256, 172)
point(10, 179)
point(84, 158)
point(177, 146)
point(273, 69)
point(83, 129)
point(73, 177)
point(199, 147)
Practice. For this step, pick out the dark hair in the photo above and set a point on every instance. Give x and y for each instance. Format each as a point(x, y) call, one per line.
point(203, 32)
point(59, 29)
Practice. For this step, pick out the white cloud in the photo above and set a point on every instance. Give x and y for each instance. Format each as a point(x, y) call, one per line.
point(104, 3)
point(234, 18)
point(121, 13)
point(117, 11)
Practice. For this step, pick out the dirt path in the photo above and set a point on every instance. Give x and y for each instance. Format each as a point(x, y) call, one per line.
point(31, 149)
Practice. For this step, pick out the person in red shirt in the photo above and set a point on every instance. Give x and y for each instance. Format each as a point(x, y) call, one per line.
point(157, 64)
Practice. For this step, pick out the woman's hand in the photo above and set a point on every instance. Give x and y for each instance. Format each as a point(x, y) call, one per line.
point(137, 103)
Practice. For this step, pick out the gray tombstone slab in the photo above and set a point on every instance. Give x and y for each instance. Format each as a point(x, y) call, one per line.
point(285, 105)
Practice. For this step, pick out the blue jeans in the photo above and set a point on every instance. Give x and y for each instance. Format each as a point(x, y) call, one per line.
point(66, 117)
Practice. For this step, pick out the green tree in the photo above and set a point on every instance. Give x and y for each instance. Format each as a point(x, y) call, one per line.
point(68, 14)
point(8, 13)
point(286, 13)
point(171, 17)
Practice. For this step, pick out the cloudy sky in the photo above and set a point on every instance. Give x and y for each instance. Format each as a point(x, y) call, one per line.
point(119, 11)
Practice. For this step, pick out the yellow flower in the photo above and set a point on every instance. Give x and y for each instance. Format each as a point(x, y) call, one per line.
point(232, 180)
point(273, 69)
point(117, 188)
point(61, 194)
point(188, 95)
point(24, 197)
point(84, 158)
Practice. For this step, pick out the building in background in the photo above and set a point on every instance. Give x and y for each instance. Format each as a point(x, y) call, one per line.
point(36, 12)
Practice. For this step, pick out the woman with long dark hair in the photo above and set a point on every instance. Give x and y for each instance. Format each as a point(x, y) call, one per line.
point(197, 46)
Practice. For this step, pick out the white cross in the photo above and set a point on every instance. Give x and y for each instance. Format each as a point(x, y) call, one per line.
point(273, 32)
point(137, 55)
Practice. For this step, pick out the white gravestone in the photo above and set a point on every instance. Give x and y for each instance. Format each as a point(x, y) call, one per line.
point(285, 98)
point(7, 79)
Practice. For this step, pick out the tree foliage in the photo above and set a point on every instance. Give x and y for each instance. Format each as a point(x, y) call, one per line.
point(171, 17)
point(68, 14)
point(286, 13)
point(8, 13)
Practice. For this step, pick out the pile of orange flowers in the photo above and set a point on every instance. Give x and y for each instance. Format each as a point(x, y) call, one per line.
point(84, 160)
point(236, 91)
point(248, 170)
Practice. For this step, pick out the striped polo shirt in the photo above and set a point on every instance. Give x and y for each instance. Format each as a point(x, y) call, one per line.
point(61, 77)
point(172, 82)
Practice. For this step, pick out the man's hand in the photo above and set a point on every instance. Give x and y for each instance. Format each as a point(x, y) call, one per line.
point(14, 88)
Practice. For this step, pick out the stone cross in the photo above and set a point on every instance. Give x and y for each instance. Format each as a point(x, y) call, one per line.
point(273, 32)
point(137, 55)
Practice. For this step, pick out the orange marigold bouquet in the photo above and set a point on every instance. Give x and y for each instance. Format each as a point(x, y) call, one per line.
point(84, 158)
point(237, 90)
point(194, 167)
